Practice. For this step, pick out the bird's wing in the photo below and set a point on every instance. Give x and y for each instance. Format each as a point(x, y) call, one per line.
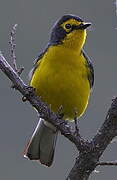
point(37, 62)
point(91, 69)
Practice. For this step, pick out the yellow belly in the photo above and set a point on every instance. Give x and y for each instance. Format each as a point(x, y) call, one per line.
point(61, 79)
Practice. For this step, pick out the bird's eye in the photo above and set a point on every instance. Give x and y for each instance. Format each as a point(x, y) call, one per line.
point(68, 26)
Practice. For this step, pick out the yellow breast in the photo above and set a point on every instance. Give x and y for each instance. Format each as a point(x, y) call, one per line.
point(61, 79)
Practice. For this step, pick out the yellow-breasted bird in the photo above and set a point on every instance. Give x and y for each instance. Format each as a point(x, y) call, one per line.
point(62, 75)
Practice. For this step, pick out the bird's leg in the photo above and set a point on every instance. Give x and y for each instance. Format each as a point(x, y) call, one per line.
point(60, 112)
point(60, 115)
point(76, 123)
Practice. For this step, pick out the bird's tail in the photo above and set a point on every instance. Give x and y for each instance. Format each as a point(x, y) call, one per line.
point(42, 143)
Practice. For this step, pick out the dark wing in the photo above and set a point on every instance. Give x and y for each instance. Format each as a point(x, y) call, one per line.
point(35, 65)
point(91, 69)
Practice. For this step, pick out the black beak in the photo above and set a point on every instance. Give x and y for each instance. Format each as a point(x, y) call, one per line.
point(83, 26)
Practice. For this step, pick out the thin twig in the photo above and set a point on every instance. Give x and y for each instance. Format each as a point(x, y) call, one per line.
point(13, 46)
point(20, 70)
point(107, 163)
point(13, 54)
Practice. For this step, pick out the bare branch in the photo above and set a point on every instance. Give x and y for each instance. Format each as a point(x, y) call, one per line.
point(88, 160)
point(107, 163)
point(13, 47)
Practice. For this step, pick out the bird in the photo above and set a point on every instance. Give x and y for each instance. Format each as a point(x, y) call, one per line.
point(62, 75)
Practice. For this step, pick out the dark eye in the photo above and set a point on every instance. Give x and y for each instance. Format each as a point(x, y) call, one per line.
point(68, 26)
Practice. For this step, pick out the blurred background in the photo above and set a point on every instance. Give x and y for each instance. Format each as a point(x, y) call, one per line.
point(18, 120)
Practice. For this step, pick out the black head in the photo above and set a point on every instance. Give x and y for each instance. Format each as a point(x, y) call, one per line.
point(59, 32)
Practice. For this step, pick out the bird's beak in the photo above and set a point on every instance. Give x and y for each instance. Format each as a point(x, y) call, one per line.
point(83, 26)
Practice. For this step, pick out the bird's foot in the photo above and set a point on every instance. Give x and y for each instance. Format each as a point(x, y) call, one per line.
point(60, 112)
point(29, 92)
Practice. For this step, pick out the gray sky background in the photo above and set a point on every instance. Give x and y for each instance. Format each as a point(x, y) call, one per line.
point(18, 119)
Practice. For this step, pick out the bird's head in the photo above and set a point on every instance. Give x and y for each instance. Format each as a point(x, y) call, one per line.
point(69, 31)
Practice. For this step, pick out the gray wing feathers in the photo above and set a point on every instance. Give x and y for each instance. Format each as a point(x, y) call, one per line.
point(90, 66)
